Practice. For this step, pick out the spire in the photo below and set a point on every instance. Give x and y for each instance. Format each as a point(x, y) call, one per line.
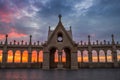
point(49, 29)
point(30, 40)
point(89, 40)
point(6, 40)
point(70, 28)
point(113, 41)
point(60, 16)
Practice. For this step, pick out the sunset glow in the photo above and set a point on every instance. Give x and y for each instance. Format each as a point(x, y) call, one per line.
point(24, 57)
point(1, 55)
point(17, 57)
point(10, 56)
point(34, 56)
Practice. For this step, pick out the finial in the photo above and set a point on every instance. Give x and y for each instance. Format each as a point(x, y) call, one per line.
point(6, 35)
point(6, 41)
point(30, 40)
point(104, 41)
point(22, 42)
point(38, 42)
point(60, 16)
point(89, 39)
point(70, 28)
point(97, 42)
point(113, 41)
point(49, 28)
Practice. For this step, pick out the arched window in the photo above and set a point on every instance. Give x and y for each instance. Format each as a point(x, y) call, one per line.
point(17, 56)
point(118, 55)
point(79, 56)
point(109, 56)
point(63, 56)
point(59, 37)
point(56, 56)
point(10, 56)
point(1, 54)
point(41, 56)
point(94, 56)
point(85, 56)
point(25, 56)
point(102, 56)
point(34, 56)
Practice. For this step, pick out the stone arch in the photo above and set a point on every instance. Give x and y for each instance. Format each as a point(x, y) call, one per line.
point(67, 53)
point(25, 56)
point(53, 64)
point(10, 56)
point(101, 56)
point(85, 56)
point(17, 56)
point(34, 56)
point(41, 56)
point(94, 56)
point(109, 56)
point(1, 55)
point(118, 55)
point(79, 56)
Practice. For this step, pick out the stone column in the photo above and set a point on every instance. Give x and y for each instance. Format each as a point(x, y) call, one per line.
point(46, 65)
point(29, 59)
point(59, 65)
point(114, 57)
point(37, 56)
point(90, 58)
point(106, 57)
point(13, 56)
point(21, 56)
point(4, 59)
point(98, 56)
point(82, 56)
point(74, 62)
point(114, 52)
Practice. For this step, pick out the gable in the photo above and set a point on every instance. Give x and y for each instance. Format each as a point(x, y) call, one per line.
point(67, 39)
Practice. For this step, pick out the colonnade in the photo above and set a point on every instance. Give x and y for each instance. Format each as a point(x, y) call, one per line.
point(98, 56)
point(17, 56)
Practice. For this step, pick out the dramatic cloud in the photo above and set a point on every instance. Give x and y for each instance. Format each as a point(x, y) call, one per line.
point(99, 18)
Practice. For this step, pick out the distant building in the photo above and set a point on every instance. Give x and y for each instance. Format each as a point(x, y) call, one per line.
point(59, 52)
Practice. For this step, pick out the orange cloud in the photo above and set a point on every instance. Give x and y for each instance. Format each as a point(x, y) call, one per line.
point(2, 36)
point(13, 34)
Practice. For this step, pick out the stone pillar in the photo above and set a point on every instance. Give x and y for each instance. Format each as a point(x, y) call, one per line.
point(90, 58)
point(21, 56)
point(82, 56)
point(60, 65)
point(114, 52)
point(37, 56)
point(106, 57)
point(29, 57)
point(98, 56)
point(13, 56)
point(74, 62)
point(46, 65)
point(4, 59)
point(114, 57)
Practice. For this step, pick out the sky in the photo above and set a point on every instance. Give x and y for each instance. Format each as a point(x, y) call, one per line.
point(21, 18)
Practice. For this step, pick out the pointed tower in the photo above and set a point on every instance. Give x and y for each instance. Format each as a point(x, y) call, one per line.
point(60, 40)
